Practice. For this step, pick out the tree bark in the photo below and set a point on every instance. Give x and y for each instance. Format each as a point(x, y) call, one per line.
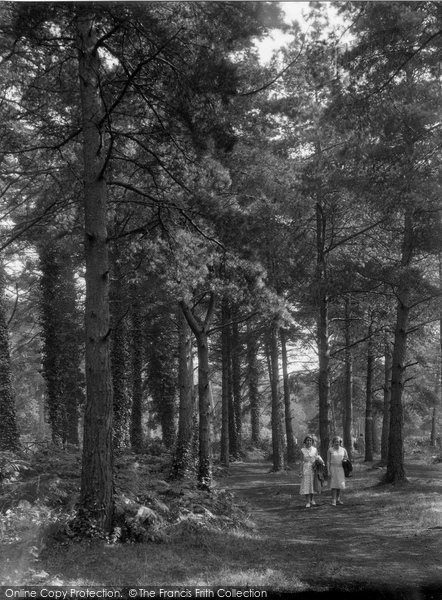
point(204, 467)
point(96, 499)
point(233, 433)
point(395, 466)
point(252, 384)
point(323, 334)
point(183, 456)
point(375, 434)
point(200, 329)
point(236, 387)
point(277, 428)
point(121, 428)
point(225, 386)
point(438, 393)
point(369, 396)
point(386, 407)
point(348, 402)
point(291, 446)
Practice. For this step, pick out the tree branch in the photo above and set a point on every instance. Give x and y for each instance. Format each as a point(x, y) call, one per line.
point(134, 73)
point(194, 322)
point(268, 84)
point(210, 310)
point(15, 305)
point(353, 235)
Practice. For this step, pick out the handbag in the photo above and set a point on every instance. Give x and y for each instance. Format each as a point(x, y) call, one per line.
point(348, 467)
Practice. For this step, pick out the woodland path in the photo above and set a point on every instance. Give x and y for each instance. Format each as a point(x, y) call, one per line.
point(361, 545)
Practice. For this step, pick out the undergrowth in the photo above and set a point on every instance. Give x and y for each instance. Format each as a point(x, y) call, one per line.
point(44, 490)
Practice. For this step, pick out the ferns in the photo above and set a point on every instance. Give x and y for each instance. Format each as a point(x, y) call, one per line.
point(11, 466)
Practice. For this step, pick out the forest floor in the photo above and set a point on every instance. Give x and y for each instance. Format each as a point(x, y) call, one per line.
point(384, 538)
point(384, 542)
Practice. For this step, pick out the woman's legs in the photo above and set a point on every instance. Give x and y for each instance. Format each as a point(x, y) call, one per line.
point(336, 496)
point(307, 499)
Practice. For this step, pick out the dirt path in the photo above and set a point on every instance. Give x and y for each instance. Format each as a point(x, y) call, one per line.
point(377, 539)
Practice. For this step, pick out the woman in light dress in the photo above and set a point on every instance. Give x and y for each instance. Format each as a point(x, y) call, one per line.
point(309, 455)
point(336, 454)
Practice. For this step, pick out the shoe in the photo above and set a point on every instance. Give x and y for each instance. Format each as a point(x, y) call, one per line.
point(339, 501)
point(313, 503)
point(307, 505)
point(333, 502)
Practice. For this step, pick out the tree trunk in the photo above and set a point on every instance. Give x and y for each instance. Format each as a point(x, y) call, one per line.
point(277, 428)
point(433, 434)
point(252, 384)
point(136, 427)
point(96, 499)
point(375, 434)
point(233, 433)
point(267, 350)
point(369, 396)
point(121, 430)
point(225, 386)
point(161, 370)
point(9, 436)
point(324, 377)
point(236, 387)
point(395, 466)
point(291, 446)
point(322, 334)
point(348, 401)
point(231, 382)
point(438, 394)
point(168, 418)
point(183, 456)
point(204, 397)
point(200, 329)
point(386, 407)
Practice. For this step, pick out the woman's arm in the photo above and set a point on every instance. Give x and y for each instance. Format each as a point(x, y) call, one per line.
point(301, 467)
point(301, 462)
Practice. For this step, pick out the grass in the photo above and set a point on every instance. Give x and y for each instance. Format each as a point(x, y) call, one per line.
point(211, 559)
